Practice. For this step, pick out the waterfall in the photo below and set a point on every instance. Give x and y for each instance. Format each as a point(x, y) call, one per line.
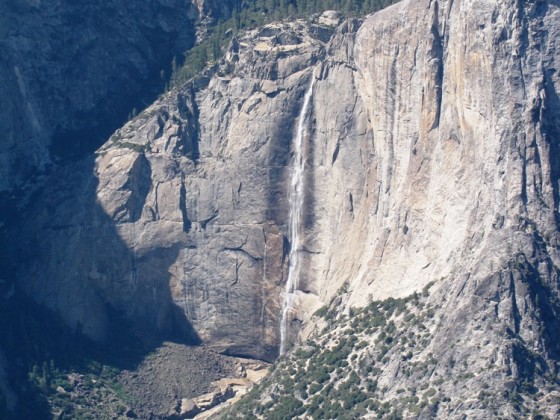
point(296, 197)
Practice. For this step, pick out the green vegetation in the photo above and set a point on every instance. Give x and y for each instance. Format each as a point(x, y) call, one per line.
point(254, 13)
point(140, 148)
point(59, 370)
point(247, 15)
point(94, 392)
point(378, 362)
point(337, 373)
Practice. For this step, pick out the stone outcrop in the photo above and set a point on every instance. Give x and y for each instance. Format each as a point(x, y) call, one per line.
point(182, 223)
point(454, 178)
point(72, 72)
point(191, 407)
point(418, 166)
point(432, 156)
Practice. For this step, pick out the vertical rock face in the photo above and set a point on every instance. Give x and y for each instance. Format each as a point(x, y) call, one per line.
point(464, 151)
point(453, 178)
point(433, 156)
point(72, 71)
point(183, 221)
point(436, 161)
point(463, 181)
point(445, 151)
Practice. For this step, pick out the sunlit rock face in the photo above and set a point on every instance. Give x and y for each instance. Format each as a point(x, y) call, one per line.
point(431, 156)
point(179, 220)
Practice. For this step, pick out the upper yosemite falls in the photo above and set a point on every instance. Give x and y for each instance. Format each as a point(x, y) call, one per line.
point(370, 203)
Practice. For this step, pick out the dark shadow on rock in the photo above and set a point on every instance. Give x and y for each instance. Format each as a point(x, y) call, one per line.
point(146, 52)
point(188, 109)
point(139, 183)
point(74, 292)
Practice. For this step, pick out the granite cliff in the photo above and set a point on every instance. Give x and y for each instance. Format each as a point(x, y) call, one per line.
point(431, 166)
point(71, 73)
point(183, 221)
point(451, 185)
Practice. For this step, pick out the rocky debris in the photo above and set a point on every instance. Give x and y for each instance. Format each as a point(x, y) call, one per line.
point(191, 407)
point(190, 380)
point(173, 373)
point(432, 155)
point(174, 381)
point(251, 374)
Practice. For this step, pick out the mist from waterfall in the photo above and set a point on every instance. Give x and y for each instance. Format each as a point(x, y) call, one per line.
point(296, 198)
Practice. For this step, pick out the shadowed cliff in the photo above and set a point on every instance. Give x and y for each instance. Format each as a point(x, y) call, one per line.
point(432, 168)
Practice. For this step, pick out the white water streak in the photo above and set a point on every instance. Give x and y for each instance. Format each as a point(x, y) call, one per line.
point(296, 196)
